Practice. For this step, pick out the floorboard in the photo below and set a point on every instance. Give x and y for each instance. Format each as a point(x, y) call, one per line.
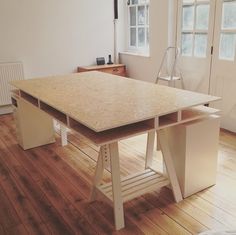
point(45, 190)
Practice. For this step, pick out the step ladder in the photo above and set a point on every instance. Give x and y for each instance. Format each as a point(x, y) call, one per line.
point(168, 68)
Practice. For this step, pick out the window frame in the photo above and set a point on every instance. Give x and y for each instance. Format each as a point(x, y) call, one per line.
point(194, 31)
point(137, 49)
point(225, 31)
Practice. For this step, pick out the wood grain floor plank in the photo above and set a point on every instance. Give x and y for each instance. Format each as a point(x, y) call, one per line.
point(54, 183)
point(228, 139)
point(8, 216)
point(221, 202)
point(141, 206)
point(75, 199)
point(196, 213)
point(37, 229)
point(37, 198)
point(51, 172)
point(73, 180)
point(101, 224)
point(176, 214)
point(1, 229)
point(40, 201)
point(8, 138)
point(107, 212)
point(215, 212)
point(66, 209)
point(18, 230)
point(95, 218)
point(27, 213)
point(71, 186)
point(146, 225)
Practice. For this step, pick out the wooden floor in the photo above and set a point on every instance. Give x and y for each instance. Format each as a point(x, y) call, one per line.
point(45, 191)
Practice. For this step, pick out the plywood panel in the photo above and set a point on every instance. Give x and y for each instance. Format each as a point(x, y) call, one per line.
point(103, 101)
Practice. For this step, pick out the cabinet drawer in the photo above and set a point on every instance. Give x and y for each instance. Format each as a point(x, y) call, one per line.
point(117, 70)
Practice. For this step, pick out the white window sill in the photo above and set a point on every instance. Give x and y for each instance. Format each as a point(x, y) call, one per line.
point(147, 55)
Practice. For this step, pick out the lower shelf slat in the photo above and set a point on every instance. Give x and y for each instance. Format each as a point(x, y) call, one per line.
point(136, 185)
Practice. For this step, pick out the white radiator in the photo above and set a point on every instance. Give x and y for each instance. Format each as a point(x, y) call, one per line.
point(9, 72)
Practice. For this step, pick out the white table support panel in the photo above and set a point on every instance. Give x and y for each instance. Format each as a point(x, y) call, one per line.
point(29, 121)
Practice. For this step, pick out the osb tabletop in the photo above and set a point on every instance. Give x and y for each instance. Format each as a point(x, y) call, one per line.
point(103, 101)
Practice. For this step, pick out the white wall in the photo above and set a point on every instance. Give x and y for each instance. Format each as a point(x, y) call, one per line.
point(55, 36)
point(145, 68)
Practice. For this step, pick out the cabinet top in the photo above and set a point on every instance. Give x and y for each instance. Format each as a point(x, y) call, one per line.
point(97, 67)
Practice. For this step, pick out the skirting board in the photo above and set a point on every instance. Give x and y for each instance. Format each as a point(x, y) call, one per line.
point(5, 109)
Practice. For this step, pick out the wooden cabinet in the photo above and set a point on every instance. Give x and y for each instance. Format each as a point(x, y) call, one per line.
point(116, 69)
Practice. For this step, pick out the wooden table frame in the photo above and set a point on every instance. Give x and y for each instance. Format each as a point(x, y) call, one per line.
point(118, 191)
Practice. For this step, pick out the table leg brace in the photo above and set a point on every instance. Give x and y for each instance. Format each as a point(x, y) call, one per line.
point(170, 166)
point(149, 150)
point(116, 186)
point(63, 130)
point(97, 177)
point(109, 154)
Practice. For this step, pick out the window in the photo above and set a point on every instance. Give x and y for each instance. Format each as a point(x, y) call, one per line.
point(194, 29)
point(228, 31)
point(138, 25)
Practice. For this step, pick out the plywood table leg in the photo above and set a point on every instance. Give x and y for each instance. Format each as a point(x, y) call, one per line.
point(158, 147)
point(149, 150)
point(105, 157)
point(64, 141)
point(116, 186)
point(98, 176)
point(164, 170)
point(170, 166)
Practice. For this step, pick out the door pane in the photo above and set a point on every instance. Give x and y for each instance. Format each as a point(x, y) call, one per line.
point(188, 1)
point(202, 17)
point(139, 2)
point(133, 37)
point(142, 1)
point(141, 37)
point(188, 18)
point(134, 1)
point(227, 46)
point(132, 16)
point(187, 44)
point(200, 45)
point(229, 15)
point(141, 15)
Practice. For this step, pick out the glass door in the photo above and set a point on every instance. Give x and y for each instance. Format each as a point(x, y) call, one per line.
point(223, 71)
point(194, 38)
